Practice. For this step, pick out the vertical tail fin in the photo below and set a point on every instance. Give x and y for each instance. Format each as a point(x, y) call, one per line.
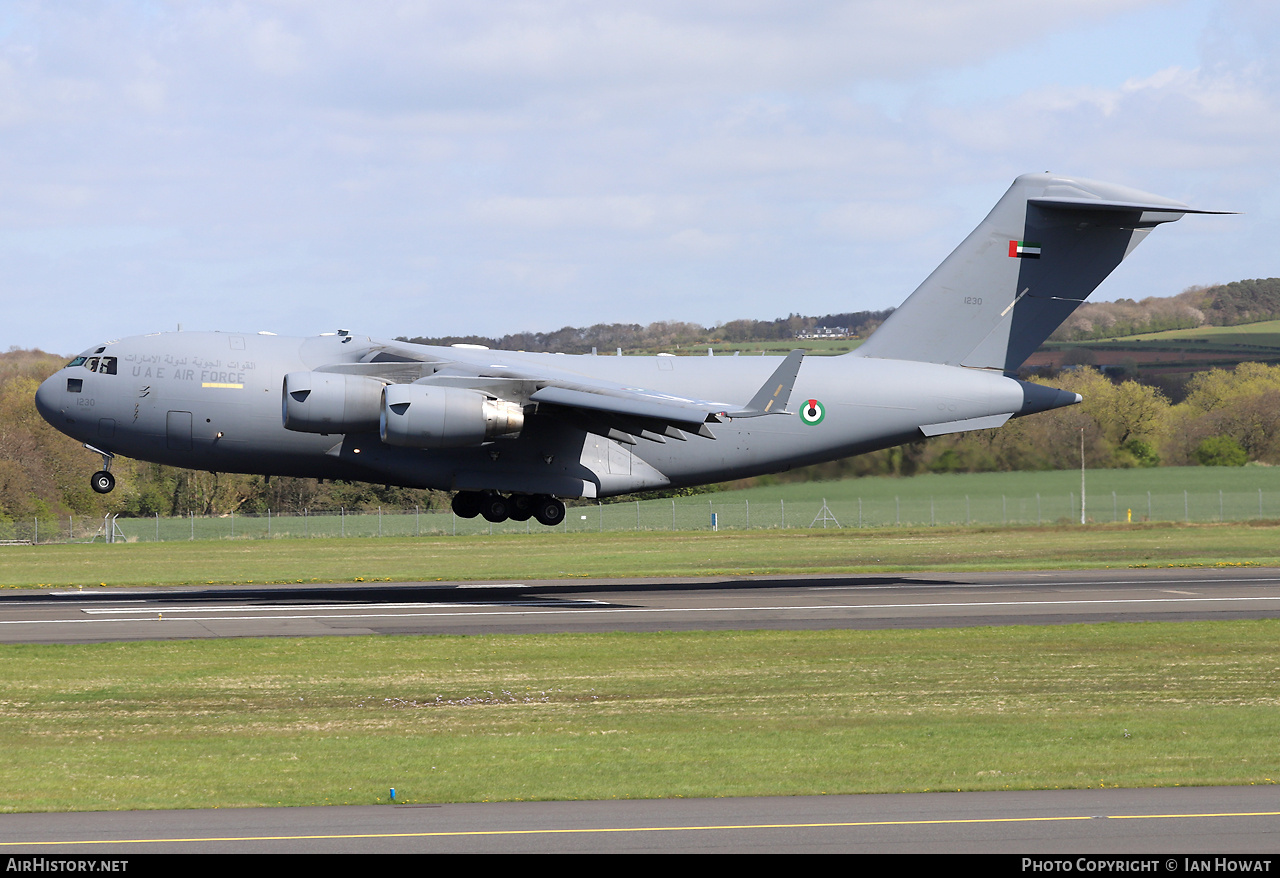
point(1042, 250)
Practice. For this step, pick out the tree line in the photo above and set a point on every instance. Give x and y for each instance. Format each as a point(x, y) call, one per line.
point(1232, 304)
point(1229, 417)
point(663, 335)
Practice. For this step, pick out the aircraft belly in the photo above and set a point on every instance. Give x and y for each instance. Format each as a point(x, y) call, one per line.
point(547, 458)
point(617, 469)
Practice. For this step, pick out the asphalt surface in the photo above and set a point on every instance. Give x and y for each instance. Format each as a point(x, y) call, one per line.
point(1158, 824)
point(851, 601)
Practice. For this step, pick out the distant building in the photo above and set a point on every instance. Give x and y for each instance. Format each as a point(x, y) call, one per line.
point(825, 332)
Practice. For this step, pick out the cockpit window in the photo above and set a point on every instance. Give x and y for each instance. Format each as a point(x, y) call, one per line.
point(101, 365)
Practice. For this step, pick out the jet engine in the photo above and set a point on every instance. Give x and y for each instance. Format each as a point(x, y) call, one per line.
point(430, 416)
point(330, 402)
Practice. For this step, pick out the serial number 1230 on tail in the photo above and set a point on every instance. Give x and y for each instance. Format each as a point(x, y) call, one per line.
point(513, 433)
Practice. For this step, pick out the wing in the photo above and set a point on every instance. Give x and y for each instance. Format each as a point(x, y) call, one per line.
point(621, 412)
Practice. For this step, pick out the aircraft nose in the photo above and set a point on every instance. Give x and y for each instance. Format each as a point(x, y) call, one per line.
point(48, 398)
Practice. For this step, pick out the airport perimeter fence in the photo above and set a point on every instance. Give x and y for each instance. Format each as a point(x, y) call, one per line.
point(711, 512)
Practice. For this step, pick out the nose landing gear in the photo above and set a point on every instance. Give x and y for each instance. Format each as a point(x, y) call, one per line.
point(102, 481)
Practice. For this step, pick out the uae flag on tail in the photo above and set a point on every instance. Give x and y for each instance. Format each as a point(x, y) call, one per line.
point(1024, 250)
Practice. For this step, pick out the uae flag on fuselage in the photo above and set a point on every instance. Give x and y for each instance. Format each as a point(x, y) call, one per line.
point(1024, 250)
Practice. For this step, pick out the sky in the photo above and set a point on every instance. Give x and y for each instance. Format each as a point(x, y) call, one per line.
point(443, 168)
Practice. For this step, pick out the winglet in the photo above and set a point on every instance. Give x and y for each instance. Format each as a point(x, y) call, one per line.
point(772, 397)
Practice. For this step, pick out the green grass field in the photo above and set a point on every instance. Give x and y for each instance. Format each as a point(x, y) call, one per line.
point(257, 722)
point(1171, 494)
point(557, 555)
point(1263, 334)
point(230, 723)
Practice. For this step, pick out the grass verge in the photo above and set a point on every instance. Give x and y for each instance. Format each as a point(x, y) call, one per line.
point(561, 556)
point(224, 723)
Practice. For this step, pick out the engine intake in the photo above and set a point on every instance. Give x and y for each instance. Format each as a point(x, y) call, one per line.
point(330, 402)
point(429, 416)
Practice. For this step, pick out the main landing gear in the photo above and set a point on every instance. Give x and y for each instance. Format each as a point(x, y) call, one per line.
point(518, 507)
point(102, 481)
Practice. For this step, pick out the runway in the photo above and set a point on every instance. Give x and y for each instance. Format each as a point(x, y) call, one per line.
point(1231, 820)
point(1153, 825)
point(797, 602)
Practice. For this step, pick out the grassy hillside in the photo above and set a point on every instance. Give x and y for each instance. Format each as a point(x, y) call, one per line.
point(1265, 334)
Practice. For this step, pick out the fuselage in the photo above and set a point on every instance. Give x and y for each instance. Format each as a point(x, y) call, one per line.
point(213, 401)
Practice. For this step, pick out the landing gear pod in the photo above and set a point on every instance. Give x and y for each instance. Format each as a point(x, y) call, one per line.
point(428, 416)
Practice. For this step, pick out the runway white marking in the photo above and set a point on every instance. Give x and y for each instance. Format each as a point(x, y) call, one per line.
point(1095, 583)
point(533, 609)
point(337, 608)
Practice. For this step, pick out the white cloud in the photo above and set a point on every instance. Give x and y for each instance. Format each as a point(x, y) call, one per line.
point(696, 242)
point(656, 161)
point(602, 212)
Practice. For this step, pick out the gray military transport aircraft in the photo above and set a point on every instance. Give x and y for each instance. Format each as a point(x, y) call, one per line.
point(513, 432)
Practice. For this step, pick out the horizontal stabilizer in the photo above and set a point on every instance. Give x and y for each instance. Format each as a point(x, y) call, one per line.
point(1130, 206)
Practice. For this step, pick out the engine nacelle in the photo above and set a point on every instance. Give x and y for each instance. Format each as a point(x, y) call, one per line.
point(430, 416)
point(330, 402)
